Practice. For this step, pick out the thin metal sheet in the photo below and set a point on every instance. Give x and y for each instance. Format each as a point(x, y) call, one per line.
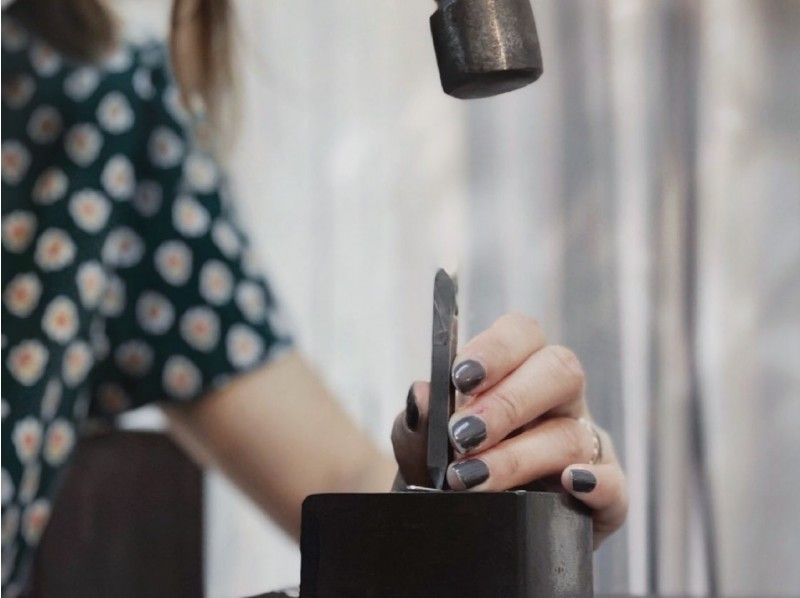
point(442, 393)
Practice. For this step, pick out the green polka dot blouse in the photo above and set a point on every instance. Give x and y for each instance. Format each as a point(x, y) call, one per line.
point(125, 279)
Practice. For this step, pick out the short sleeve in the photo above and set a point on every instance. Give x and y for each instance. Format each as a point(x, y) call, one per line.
point(185, 309)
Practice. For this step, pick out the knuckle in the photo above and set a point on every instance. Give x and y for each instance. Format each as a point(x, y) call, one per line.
point(498, 350)
point(516, 320)
point(506, 403)
point(566, 366)
point(506, 338)
point(511, 318)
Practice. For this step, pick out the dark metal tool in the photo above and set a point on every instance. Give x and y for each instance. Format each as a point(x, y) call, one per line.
point(442, 394)
point(485, 47)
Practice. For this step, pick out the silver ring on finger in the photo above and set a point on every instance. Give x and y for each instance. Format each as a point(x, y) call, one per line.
point(597, 444)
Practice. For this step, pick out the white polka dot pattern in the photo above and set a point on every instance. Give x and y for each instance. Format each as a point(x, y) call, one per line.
point(126, 280)
point(50, 186)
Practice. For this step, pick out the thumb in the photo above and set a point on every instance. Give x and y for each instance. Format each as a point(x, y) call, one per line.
point(410, 435)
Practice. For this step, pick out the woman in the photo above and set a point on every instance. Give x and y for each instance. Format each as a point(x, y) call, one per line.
point(126, 281)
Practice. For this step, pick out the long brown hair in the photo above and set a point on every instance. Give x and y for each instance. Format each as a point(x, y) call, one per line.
point(200, 42)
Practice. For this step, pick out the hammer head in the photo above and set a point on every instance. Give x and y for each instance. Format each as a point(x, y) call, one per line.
point(485, 47)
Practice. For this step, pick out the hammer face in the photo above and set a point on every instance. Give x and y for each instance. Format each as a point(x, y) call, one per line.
point(485, 47)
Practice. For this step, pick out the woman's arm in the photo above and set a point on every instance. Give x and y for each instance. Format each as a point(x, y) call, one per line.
point(522, 417)
point(280, 436)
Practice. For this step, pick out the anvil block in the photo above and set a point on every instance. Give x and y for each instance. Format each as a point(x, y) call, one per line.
point(515, 544)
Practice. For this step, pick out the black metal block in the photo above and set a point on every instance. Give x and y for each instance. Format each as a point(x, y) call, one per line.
point(485, 47)
point(514, 544)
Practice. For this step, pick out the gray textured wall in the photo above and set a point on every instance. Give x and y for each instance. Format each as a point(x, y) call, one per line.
point(645, 194)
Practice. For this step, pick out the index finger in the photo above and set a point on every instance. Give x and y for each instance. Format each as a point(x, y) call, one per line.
point(496, 352)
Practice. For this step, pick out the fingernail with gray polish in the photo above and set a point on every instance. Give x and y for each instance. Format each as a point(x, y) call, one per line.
point(583, 481)
point(468, 375)
point(471, 472)
point(412, 410)
point(468, 432)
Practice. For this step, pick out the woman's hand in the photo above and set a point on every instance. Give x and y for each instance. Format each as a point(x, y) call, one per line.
point(521, 417)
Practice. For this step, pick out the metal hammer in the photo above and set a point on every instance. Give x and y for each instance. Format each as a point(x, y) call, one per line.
point(485, 47)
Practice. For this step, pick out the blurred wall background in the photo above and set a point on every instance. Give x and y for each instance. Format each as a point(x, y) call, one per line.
point(642, 200)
